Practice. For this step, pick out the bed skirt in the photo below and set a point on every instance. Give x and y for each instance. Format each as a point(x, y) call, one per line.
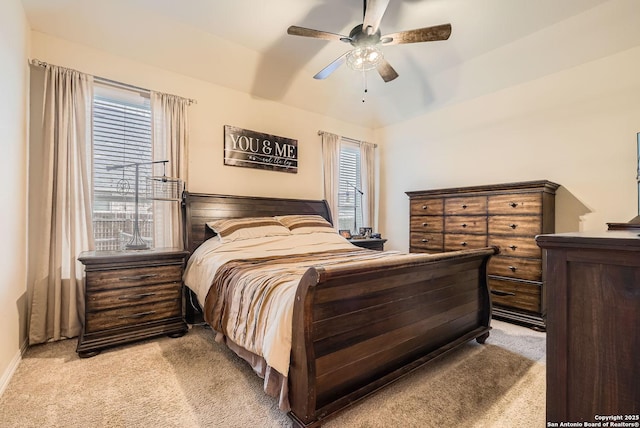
point(275, 384)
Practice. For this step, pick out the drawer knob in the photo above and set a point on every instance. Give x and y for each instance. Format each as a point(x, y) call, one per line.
point(513, 247)
point(513, 204)
point(502, 293)
point(138, 315)
point(425, 240)
point(513, 268)
point(425, 224)
point(136, 296)
point(464, 244)
point(464, 206)
point(137, 277)
point(424, 207)
point(513, 226)
point(464, 224)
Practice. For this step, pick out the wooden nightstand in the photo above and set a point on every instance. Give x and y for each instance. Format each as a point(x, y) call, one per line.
point(130, 296)
point(370, 243)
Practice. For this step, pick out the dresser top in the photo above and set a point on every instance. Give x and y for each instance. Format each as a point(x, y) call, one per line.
point(539, 185)
point(610, 239)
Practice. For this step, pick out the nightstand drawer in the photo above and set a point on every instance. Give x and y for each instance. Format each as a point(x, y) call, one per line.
point(454, 242)
point(465, 205)
point(122, 297)
point(513, 294)
point(517, 203)
point(124, 278)
point(132, 315)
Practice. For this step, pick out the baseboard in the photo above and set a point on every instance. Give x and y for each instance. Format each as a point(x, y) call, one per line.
point(13, 365)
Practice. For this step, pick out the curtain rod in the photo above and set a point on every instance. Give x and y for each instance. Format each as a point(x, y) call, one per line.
point(351, 140)
point(115, 83)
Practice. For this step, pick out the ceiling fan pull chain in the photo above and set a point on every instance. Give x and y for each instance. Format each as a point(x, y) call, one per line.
point(364, 80)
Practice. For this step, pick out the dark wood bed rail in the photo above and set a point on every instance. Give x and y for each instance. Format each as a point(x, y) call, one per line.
point(359, 327)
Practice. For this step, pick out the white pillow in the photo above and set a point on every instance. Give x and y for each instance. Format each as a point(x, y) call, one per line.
point(303, 224)
point(235, 229)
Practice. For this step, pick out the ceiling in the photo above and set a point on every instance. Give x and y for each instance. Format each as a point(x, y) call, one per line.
point(243, 45)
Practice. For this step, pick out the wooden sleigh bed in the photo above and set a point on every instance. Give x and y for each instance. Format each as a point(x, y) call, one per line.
point(358, 327)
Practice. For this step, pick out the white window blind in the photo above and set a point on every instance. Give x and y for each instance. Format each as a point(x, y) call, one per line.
point(121, 136)
point(349, 197)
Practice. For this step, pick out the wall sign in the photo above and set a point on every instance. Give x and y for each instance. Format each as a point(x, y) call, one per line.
point(251, 149)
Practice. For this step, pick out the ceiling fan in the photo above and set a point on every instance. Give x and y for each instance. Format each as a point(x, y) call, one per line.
point(365, 39)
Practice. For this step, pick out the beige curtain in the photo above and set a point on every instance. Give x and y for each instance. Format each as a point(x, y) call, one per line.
point(331, 170)
point(63, 224)
point(368, 179)
point(170, 142)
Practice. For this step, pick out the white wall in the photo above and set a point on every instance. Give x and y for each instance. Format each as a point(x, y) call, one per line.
point(14, 46)
point(576, 128)
point(216, 106)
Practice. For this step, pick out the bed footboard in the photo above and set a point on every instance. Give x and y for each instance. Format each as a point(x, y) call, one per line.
point(361, 326)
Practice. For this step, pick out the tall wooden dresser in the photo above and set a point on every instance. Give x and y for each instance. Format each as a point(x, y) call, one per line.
point(508, 216)
point(593, 335)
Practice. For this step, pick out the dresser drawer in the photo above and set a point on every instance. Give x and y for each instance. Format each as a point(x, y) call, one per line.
point(424, 223)
point(515, 225)
point(476, 224)
point(517, 247)
point(513, 294)
point(455, 241)
point(465, 205)
point(427, 241)
point(516, 267)
point(129, 316)
point(97, 280)
point(427, 206)
point(121, 297)
point(516, 203)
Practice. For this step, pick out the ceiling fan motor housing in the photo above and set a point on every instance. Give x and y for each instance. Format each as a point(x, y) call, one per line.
point(359, 38)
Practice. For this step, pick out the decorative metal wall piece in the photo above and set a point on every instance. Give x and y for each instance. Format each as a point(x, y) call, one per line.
point(251, 149)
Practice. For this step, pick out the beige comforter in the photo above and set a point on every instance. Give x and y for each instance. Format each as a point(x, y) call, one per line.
point(247, 289)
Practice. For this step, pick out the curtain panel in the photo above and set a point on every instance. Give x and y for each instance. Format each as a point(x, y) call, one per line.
point(170, 136)
point(63, 219)
point(368, 180)
point(331, 171)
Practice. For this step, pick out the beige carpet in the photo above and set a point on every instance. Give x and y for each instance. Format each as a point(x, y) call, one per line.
point(194, 382)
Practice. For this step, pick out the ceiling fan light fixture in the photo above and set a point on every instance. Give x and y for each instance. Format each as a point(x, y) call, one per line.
point(364, 58)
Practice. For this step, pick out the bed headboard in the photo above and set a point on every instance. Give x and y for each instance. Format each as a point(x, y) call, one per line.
point(199, 208)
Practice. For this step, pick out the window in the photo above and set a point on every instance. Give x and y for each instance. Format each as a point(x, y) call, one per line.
point(350, 188)
point(121, 136)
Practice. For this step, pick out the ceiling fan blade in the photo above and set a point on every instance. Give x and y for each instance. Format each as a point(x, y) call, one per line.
point(307, 32)
point(428, 34)
point(373, 12)
point(325, 72)
point(386, 71)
